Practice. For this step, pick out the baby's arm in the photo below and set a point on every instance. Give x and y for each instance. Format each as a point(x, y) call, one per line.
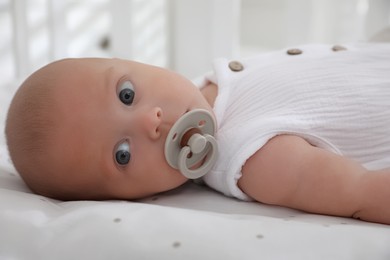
point(290, 172)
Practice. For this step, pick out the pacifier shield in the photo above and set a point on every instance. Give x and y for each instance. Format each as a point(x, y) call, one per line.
point(200, 146)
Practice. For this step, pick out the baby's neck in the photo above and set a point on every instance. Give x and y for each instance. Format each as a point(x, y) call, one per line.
point(210, 92)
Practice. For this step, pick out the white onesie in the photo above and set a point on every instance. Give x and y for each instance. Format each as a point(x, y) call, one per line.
point(336, 99)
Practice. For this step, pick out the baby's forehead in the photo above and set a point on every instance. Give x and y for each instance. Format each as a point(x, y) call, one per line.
point(71, 73)
point(79, 65)
point(81, 94)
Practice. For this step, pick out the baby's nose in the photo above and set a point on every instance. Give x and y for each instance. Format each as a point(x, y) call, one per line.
point(152, 122)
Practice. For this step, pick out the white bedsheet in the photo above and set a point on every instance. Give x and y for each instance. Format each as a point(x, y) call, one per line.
point(192, 222)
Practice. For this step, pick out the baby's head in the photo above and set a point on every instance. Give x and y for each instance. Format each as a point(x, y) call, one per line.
point(96, 128)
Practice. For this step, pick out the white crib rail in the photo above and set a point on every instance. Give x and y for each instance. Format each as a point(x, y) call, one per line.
point(57, 26)
point(20, 37)
point(35, 32)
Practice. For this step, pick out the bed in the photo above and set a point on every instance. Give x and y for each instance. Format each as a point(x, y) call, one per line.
point(191, 222)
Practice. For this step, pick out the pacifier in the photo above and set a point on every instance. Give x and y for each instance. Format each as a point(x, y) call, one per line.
point(190, 145)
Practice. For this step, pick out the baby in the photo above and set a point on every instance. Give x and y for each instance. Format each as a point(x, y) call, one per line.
point(303, 128)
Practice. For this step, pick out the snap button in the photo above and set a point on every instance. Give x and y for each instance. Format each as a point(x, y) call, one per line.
point(338, 48)
point(294, 51)
point(235, 66)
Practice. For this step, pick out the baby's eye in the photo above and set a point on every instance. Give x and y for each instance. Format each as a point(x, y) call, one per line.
point(126, 93)
point(122, 153)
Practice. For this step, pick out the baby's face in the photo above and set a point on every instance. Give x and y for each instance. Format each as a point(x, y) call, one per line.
point(115, 116)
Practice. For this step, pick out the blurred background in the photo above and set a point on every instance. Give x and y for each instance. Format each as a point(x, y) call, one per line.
point(183, 35)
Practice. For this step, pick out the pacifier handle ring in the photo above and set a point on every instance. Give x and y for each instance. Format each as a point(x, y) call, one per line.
point(205, 167)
